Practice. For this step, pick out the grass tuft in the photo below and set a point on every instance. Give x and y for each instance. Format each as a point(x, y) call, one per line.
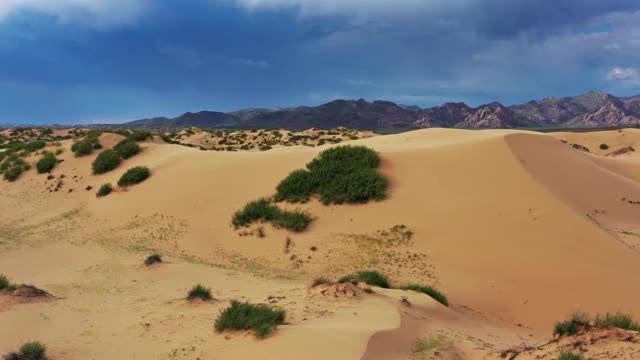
point(617, 320)
point(244, 316)
point(199, 292)
point(368, 277)
point(320, 281)
point(153, 259)
point(428, 290)
point(263, 210)
point(569, 356)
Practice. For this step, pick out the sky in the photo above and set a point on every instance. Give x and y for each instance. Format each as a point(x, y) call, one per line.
point(98, 61)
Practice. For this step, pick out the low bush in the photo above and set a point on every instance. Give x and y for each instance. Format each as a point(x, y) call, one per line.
point(569, 356)
point(153, 259)
point(343, 174)
point(263, 210)
point(368, 277)
point(140, 135)
point(604, 147)
point(320, 281)
point(29, 351)
point(85, 146)
point(617, 320)
point(428, 290)
point(104, 190)
point(127, 148)
point(199, 292)
point(572, 326)
point(244, 316)
point(105, 162)
point(34, 145)
point(134, 176)
point(4, 283)
point(46, 163)
point(13, 173)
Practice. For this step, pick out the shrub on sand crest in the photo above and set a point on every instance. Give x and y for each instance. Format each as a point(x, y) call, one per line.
point(572, 326)
point(140, 135)
point(46, 163)
point(263, 210)
point(29, 351)
point(127, 148)
point(104, 190)
point(134, 176)
point(105, 162)
point(428, 290)
point(199, 292)
point(244, 316)
point(617, 320)
point(368, 277)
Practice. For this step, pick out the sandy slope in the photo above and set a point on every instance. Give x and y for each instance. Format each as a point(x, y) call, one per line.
point(517, 228)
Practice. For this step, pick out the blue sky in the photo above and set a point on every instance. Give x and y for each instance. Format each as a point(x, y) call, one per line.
point(73, 61)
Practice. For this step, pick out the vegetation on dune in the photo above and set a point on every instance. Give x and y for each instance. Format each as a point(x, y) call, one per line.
point(245, 316)
point(572, 326)
point(569, 356)
point(134, 176)
point(368, 277)
point(263, 210)
point(617, 320)
point(4, 283)
point(13, 166)
point(104, 190)
point(85, 146)
point(153, 259)
point(320, 281)
point(199, 292)
point(46, 163)
point(428, 290)
point(140, 135)
point(29, 351)
point(127, 148)
point(344, 174)
point(105, 162)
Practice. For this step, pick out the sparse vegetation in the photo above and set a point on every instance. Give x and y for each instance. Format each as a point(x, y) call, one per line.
point(428, 290)
point(617, 320)
point(104, 190)
point(341, 174)
point(46, 163)
point(127, 148)
point(368, 277)
point(245, 316)
point(569, 356)
point(199, 292)
point(320, 281)
point(140, 135)
point(368, 290)
point(29, 351)
point(4, 283)
point(153, 259)
point(134, 176)
point(572, 326)
point(263, 210)
point(105, 162)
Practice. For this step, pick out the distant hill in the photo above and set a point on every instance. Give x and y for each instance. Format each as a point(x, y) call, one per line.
point(590, 110)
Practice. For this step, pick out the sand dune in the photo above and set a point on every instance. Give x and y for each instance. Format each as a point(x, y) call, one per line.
point(517, 228)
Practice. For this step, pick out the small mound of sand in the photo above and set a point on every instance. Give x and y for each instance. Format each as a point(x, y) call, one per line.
point(622, 151)
point(26, 294)
point(339, 291)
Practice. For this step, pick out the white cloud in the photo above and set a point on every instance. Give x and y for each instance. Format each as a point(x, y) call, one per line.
point(628, 75)
point(251, 63)
point(93, 13)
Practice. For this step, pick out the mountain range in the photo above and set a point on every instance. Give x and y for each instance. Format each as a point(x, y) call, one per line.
point(590, 110)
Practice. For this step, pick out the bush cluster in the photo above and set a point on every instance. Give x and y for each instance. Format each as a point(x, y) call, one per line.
point(428, 290)
point(133, 176)
point(46, 163)
point(86, 145)
point(343, 174)
point(263, 210)
point(245, 316)
point(105, 162)
point(127, 148)
point(13, 166)
point(140, 135)
point(368, 277)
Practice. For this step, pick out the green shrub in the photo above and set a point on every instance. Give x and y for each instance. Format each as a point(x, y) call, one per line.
point(29, 351)
point(4, 283)
point(569, 356)
point(340, 174)
point(368, 277)
point(34, 145)
point(152, 259)
point(127, 148)
point(199, 292)
point(617, 320)
point(320, 281)
point(133, 176)
point(428, 290)
point(244, 316)
point(47, 163)
point(140, 135)
point(13, 173)
point(104, 190)
point(263, 210)
point(105, 162)
point(604, 147)
point(83, 147)
point(368, 290)
point(568, 327)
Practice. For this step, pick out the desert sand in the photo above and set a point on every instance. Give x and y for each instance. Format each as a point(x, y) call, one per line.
point(517, 228)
